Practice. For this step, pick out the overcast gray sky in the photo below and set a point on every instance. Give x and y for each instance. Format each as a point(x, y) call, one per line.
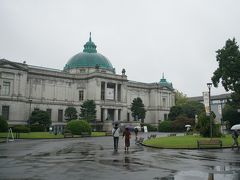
point(176, 37)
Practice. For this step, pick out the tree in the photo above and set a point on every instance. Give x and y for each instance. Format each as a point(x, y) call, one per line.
point(231, 115)
point(40, 117)
point(175, 111)
point(180, 98)
point(229, 67)
point(70, 113)
point(188, 109)
point(138, 110)
point(88, 110)
point(204, 125)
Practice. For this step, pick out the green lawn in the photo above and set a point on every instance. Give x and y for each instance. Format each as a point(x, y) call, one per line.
point(183, 141)
point(45, 135)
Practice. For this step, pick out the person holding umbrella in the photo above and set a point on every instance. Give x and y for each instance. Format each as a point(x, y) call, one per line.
point(235, 135)
point(127, 136)
point(235, 138)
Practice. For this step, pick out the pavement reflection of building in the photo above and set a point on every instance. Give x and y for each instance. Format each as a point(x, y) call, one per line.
point(87, 75)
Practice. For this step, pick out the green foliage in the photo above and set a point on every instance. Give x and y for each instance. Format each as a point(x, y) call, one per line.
point(165, 126)
point(40, 117)
point(175, 111)
point(150, 127)
point(231, 115)
point(228, 71)
point(21, 129)
point(79, 126)
point(204, 126)
point(179, 124)
point(180, 98)
point(70, 113)
point(3, 125)
point(138, 110)
point(37, 128)
point(88, 110)
point(188, 109)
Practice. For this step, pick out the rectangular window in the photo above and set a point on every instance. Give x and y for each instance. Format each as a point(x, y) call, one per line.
point(36, 109)
point(128, 116)
point(165, 116)
point(60, 115)
point(102, 90)
point(49, 111)
point(81, 95)
point(6, 88)
point(164, 102)
point(5, 112)
point(119, 92)
point(119, 114)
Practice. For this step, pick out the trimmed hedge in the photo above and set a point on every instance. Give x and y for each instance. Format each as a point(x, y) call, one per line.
point(37, 128)
point(21, 129)
point(79, 126)
point(165, 126)
point(150, 127)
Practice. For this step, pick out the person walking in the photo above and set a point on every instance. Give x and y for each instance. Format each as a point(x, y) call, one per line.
point(115, 134)
point(235, 139)
point(127, 136)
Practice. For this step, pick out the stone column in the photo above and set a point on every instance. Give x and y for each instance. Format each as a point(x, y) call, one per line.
point(115, 115)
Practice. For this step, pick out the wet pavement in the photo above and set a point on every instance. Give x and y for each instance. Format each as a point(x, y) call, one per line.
point(94, 158)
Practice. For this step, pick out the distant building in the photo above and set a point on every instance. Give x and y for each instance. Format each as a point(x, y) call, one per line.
point(87, 75)
point(217, 104)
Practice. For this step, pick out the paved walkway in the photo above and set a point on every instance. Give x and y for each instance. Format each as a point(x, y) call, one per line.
point(94, 158)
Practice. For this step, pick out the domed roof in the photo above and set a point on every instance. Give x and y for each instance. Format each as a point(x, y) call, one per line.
point(89, 58)
point(163, 82)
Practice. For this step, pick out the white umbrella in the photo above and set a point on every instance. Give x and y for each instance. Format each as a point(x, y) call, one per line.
point(188, 125)
point(235, 127)
point(138, 127)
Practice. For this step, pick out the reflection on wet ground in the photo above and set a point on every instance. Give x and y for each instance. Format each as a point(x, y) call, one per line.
point(94, 158)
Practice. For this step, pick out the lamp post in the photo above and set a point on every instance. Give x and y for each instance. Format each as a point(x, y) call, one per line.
point(209, 85)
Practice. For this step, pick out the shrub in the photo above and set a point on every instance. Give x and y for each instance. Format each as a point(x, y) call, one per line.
point(37, 128)
point(150, 127)
point(179, 124)
point(21, 129)
point(3, 125)
point(79, 126)
point(165, 126)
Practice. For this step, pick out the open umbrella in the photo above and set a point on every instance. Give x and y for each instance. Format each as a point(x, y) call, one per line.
point(188, 125)
point(235, 127)
point(138, 127)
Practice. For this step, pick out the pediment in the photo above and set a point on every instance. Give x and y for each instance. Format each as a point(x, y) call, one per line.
point(12, 65)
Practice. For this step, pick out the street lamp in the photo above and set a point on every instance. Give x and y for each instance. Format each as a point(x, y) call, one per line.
point(209, 85)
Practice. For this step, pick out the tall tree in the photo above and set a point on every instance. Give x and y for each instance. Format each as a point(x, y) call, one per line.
point(180, 98)
point(88, 110)
point(70, 113)
point(228, 71)
point(40, 117)
point(138, 110)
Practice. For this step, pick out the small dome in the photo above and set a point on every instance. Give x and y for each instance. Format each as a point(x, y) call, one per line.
point(163, 82)
point(89, 58)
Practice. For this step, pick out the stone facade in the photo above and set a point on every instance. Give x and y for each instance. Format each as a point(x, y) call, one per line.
point(24, 88)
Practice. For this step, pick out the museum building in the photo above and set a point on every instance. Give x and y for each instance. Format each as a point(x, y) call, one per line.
point(87, 75)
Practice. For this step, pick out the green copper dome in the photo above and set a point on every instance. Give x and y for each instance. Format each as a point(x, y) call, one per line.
point(89, 58)
point(163, 82)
